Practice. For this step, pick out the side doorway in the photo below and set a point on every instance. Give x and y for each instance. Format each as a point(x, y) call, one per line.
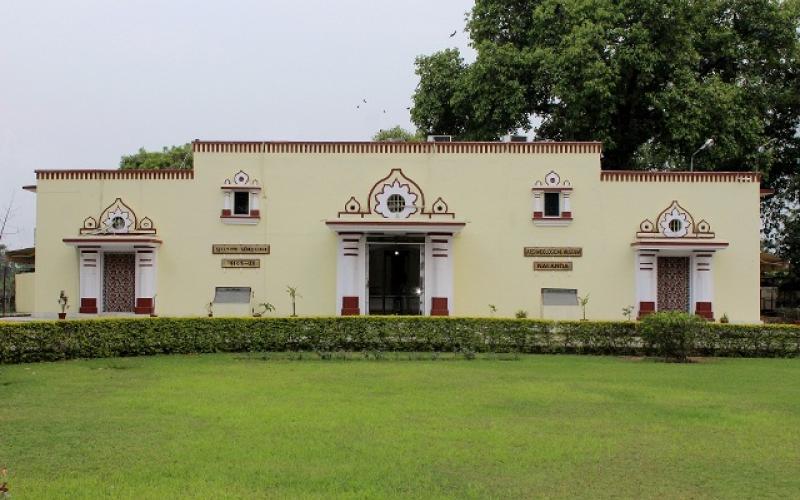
point(119, 282)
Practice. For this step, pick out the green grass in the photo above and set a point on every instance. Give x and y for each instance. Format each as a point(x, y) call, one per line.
point(240, 426)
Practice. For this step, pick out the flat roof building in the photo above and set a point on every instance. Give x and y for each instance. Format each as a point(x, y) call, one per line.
point(397, 228)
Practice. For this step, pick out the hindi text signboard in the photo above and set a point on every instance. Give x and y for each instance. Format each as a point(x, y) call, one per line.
point(241, 263)
point(552, 266)
point(553, 252)
point(239, 248)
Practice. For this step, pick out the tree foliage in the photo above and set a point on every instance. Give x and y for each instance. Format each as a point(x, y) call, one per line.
point(173, 157)
point(651, 79)
point(396, 134)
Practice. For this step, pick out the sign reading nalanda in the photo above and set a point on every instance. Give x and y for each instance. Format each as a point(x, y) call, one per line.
point(241, 263)
point(553, 251)
point(552, 266)
point(239, 249)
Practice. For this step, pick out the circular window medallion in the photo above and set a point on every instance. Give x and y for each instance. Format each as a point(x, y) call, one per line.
point(396, 203)
point(675, 225)
point(117, 223)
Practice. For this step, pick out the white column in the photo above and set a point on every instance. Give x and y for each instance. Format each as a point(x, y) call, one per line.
point(145, 274)
point(439, 274)
point(254, 197)
point(89, 281)
point(566, 206)
point(145, 280)
point(703, 283)
point(646, 280)
point(537, 202)
point(349, 276)
point(228, 203)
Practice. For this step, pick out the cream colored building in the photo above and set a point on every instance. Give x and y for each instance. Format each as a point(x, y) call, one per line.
point(397, 228)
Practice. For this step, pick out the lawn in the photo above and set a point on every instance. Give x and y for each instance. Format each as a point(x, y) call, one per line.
point(241, 426)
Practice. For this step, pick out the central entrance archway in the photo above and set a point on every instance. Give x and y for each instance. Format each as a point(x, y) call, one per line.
point(395, 275)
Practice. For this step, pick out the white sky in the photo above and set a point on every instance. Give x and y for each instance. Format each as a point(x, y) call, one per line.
point(83, 82)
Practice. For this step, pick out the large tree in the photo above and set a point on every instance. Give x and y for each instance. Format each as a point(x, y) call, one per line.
point(174, 157)
point(651, 79)
point(396, 134)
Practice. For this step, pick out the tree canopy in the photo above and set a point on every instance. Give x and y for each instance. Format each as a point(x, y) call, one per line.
point(396, 133)
point(651, 79)
point(173, 157)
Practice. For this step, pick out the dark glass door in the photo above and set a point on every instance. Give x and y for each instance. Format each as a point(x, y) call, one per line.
point(395, 284)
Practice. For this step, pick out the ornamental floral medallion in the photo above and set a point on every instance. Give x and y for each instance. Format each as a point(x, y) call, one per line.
point(396, 196)
point(396, 201)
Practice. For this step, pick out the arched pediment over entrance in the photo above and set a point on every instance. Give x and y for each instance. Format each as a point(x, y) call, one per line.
point(117, 219)
point(396, 196)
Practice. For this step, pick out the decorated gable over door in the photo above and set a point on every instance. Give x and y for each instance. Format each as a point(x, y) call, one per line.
point(395, 197)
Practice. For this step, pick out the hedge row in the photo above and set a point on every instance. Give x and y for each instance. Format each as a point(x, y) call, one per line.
point(56, 340)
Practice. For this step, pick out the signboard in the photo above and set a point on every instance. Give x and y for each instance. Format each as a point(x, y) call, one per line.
point(552, 266)
point(238, 248)
point(553, 252)
point(241, 263)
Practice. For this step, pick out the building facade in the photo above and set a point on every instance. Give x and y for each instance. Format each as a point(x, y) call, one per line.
point(397, 228)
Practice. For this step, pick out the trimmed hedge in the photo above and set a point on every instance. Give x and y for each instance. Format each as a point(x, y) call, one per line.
point(55, 340)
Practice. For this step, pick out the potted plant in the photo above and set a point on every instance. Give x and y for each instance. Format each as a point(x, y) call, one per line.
point(63, 301)
point(292, 291)
point(627, 311)
point(264, 307)
point(583, 302)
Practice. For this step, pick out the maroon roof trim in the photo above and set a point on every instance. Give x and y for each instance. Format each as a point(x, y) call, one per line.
point(115, 174)
point(345, 147)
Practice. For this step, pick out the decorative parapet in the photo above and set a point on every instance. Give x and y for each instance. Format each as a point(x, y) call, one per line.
point(644, 176)
point(114, 174)
point(398, 147)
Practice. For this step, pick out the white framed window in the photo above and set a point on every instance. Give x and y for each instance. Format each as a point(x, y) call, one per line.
point(240, 206)
point(240, 199)
point(241, 203)
point(552, 204)
point(551, 201)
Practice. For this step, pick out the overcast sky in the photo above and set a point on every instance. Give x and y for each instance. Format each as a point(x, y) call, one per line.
point(83, 82)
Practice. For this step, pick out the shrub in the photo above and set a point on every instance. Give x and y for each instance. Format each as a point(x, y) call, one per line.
point(672, 334)
point(375, 335)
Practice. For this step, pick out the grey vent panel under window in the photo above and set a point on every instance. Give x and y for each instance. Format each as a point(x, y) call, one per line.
point(232, 295)
point(559, 297)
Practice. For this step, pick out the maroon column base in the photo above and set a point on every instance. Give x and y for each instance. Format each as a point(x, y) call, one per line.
point(439, 306)
point(705, 310)
point(88, 306)
point(646, 308)
point(350, 306)
point(538, 215)
point(225, 213)
point(143, 306)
